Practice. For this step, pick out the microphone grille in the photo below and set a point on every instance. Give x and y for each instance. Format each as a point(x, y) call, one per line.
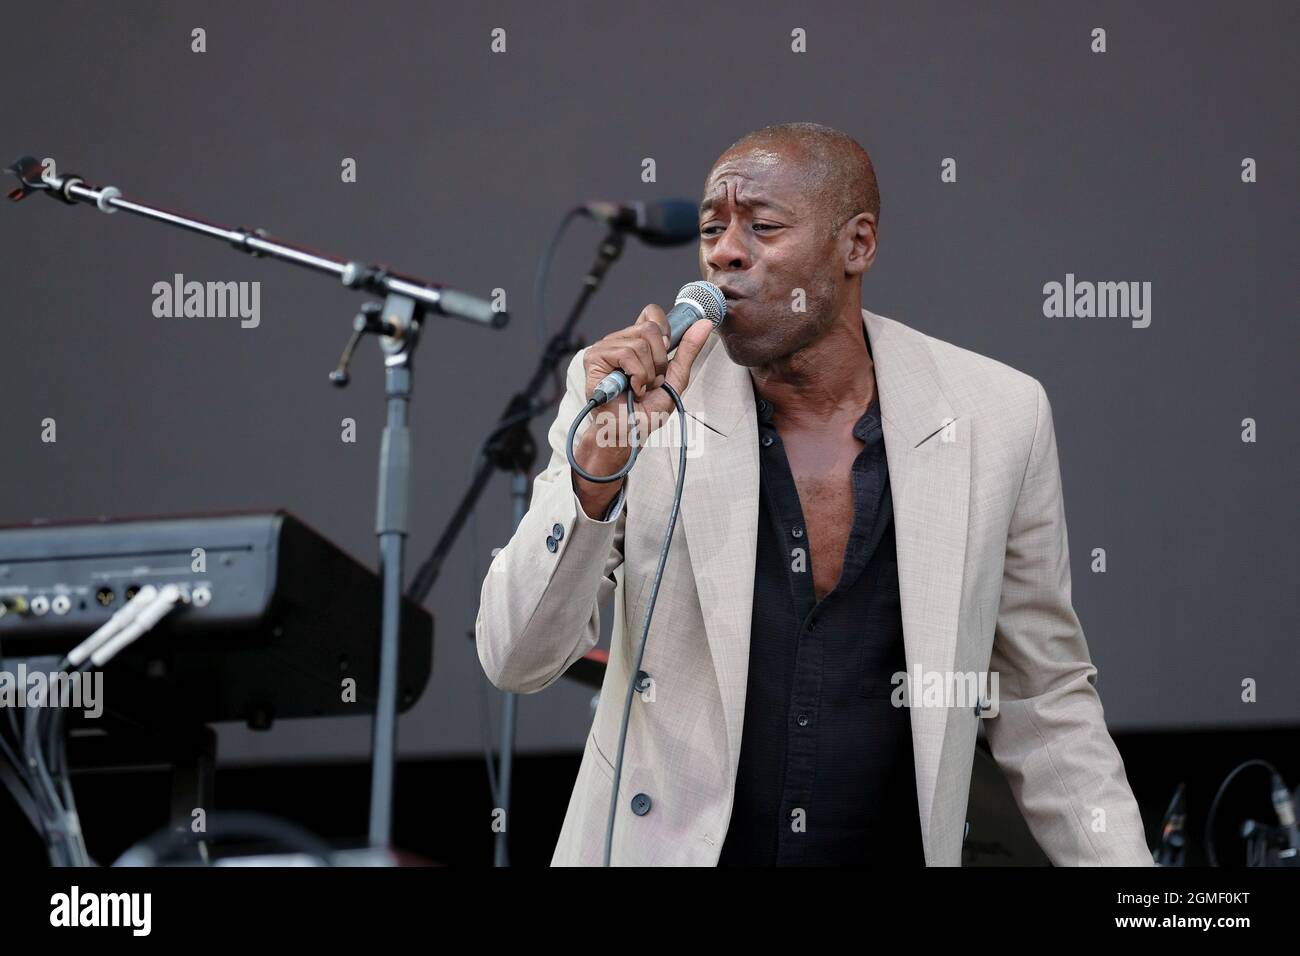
point(708, 297)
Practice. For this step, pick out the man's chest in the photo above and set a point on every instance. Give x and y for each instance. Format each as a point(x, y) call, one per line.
point(823, 477)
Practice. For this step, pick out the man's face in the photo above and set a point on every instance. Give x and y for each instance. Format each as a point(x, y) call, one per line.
point(762, 237)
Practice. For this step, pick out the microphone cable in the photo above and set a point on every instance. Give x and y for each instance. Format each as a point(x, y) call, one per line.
point(633, 440)
point(1278, 787)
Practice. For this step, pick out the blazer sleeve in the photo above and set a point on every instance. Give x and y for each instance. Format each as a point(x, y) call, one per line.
point(1049, 736)
point(539, 608)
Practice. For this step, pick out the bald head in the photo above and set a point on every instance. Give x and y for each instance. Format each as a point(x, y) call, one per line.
point(787, 230)
point(836, 172)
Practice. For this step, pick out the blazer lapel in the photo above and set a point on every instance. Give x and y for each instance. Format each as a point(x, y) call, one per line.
point(927, 443)
point(719, 517)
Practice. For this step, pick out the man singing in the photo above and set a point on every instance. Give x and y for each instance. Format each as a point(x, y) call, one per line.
point(867, 512)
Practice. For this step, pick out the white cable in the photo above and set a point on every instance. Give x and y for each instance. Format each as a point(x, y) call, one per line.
point(119, 620)
point(167, 598)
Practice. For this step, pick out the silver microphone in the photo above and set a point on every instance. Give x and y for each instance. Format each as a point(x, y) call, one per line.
point(695, 301)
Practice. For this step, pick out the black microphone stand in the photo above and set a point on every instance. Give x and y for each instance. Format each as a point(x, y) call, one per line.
point(407, 301)
point(510, 448)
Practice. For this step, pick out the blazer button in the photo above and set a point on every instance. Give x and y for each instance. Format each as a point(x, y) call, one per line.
point(557, 532)
point(642, 682)
point(551, 544)
point(641, 804)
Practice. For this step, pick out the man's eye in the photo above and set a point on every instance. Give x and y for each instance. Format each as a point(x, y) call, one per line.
point(710, 231)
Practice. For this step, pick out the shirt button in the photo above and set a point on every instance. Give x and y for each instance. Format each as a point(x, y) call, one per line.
point(767, 441)
point(802, 720)
point(551, 544)
point(557, 532)
point(641, 804)
point(763, 406)
point(797, 531)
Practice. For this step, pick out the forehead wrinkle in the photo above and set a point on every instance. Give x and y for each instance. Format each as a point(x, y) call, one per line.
point(755, 202)
point(726, 175)
point(791, 166)
point(731, 164)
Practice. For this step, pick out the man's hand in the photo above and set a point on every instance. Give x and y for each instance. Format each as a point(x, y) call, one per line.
point(641, 352)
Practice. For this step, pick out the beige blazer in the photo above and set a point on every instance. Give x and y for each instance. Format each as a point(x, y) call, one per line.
point(984, 584)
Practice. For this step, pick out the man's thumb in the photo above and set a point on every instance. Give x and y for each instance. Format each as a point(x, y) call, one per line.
point(679, 368)
point(694, 338)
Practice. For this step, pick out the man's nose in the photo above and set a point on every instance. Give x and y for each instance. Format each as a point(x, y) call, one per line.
point(730, 252)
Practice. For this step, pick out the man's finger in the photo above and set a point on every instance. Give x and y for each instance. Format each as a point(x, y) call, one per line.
point(652, 313)
point(694, 339)
point(679, 369)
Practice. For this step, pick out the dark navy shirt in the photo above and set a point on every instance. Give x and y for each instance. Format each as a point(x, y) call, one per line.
point(826, 776)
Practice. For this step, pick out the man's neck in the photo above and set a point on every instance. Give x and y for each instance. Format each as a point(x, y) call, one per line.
point(831, 378)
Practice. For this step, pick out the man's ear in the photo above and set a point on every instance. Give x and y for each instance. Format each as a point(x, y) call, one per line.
point(859, 233)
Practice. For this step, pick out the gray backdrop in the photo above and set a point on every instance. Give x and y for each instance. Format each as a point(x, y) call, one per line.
point(1117, 166)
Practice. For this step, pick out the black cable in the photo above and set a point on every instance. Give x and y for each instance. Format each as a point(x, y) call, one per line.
point(485, 718)
point(543, 271)
point(632, 435)
point(540, 326)
point(659, 570)
point(1214, 804)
